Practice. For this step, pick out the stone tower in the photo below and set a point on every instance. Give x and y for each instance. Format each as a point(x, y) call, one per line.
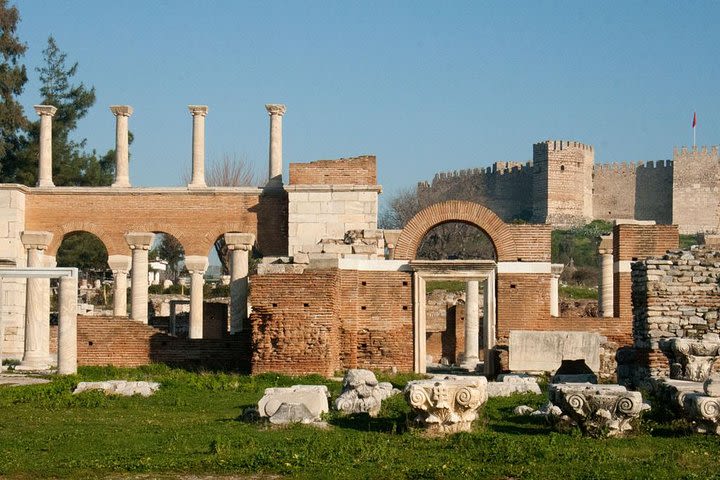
point(696, 189)
point(562, 182)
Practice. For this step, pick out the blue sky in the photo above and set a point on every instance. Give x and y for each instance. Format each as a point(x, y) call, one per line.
point(425, 86)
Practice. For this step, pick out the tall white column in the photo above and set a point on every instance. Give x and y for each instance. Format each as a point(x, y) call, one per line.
point(36, 354)
point(139, 243)
point(120, 266)
point(196, 266)
point(472, 324)
point(122, 153)
point(555, 271)
point(67, 326)
point(48, 261)
point(46, 113)
point(605, 297)
point(239, 245)
point(198, 113)
point(276, 112)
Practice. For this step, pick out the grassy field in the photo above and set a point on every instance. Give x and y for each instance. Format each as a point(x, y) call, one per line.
point(193, 425)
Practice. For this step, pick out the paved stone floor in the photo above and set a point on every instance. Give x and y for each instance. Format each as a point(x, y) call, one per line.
point(13, 380)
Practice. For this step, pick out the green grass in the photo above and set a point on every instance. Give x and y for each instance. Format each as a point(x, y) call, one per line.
point(452, 286)
point(687, 241)
point(194, 425)
point(578, 292)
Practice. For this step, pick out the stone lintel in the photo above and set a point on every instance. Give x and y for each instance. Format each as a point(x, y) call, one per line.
point(139, 240)
point(45, 110)
point(34, 239)
point(629, 221)
point(275, 109)
point(196, 263)
point(240, 241)
point(121, 110)
point(198, 110)
point(119, 263)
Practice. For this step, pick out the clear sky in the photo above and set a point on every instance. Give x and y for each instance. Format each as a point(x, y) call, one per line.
point(425, 86)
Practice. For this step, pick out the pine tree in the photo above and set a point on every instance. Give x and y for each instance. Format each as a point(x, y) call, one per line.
point(12, 80)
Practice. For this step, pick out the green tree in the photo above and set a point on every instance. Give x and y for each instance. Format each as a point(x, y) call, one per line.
point(168, 248)
point(84, 251)
point(12, 80)
point(72, 165)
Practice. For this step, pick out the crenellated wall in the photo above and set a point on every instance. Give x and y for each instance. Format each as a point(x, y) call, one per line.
point(696, 189)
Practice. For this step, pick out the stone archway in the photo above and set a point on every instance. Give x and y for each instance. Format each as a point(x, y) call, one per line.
point(456, 211)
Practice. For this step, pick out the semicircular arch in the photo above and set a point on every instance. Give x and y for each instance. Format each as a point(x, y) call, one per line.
point(456, 211)
point(72, 227)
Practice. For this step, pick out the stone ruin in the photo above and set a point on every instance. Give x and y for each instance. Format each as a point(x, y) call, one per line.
point(362, 393)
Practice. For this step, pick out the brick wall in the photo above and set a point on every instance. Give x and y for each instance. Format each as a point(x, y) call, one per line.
point(195, 217)
point(345, 171)
point(523, 303)
point(125, 343)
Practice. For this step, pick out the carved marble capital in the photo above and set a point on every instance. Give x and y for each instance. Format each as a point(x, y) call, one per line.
point(196, 263)
point(446, 405)
point(33, 240)
point(275, 109)
point(139, 240)
point(42, 110)
point(201, 110)
point(121, 110)
point(239, 241)
point(119, 264)
point(690, 359)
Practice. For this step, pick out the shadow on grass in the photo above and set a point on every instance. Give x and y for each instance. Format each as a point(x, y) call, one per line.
point(365, 423)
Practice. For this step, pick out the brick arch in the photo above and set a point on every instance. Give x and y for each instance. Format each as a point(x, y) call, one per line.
point(159, 227)
point(214, 232)
point(65, 229)
point(456, 211)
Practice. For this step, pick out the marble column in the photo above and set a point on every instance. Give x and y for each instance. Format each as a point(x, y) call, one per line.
point(139, 243)
point(67, 326)
point(489, 323)
point(198, 113)
point(46, 113)
point(48, 261)
point(120, 266)
point(239, 245)
point(605, 289)
point(122, 153)
point(555, 271)
point(196, 266)
point(36, 354)
point(472, 324)
point(276, 112)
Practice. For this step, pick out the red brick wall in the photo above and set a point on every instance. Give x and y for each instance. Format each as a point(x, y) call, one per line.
point(532, 242)
point(126, 343)
point(346, 171)
point(523, 303)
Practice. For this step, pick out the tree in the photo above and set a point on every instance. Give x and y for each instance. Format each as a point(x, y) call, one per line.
point(168, 248)
point(82, 250)
point(12, 80)
point(231, 171)
point(72, 165)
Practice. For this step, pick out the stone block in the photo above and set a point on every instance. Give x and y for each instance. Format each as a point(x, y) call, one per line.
point(119, 387)
point(544, 351)
point(362, 393)
point(364, 249)
point(337, 248)
point(314, 398)
point(301, 258)
point(512, 384)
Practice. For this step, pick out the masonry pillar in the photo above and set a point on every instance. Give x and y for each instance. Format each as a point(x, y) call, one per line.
point(198, 113)
point(472, 325)
point(36, 354)
point(196, 265)
point(67, 326)
point(239, 245)
point(276, 112)
point(120, 266)
point(555, 271)
point(139, 243)
point(122, 172)
point(489, 323)
point(46, 113)
point(605, 289)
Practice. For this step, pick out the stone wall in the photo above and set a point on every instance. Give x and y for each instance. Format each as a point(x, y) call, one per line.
point(445, 325)
point(12, 254)
point(320, 212)
point(125, 343)
point(696, 189)
point(345, 171)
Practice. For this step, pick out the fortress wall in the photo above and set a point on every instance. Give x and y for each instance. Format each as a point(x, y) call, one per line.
point(614, 191)
point(654, 192)
point(696, 189)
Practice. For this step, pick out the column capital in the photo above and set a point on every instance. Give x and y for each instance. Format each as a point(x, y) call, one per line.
point(275, 109)
point(196, 263)
point(201, 110)
point(121, 110)
point(606, 245)
point(239, 241)
point(556, 269)
point(36, 240)
point(119, 263)
point(43, 110)
point(139, 240)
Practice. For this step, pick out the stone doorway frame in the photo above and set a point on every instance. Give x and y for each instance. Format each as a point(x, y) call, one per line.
point(484, 271)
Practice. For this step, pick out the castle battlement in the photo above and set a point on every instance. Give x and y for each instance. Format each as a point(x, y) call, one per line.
point(630, 167)
point(703, 150)
point(497, 168)
point(557, 145)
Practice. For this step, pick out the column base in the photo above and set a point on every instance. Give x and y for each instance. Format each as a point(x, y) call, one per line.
point(121, 184)
point(471, 364)
point(34, 365)
point(196, 185)
point(45, 184)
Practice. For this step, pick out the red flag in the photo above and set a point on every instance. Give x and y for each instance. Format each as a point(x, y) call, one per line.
point(694, 119)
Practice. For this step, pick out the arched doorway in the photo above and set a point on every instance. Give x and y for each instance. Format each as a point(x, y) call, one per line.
point(414, 238)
